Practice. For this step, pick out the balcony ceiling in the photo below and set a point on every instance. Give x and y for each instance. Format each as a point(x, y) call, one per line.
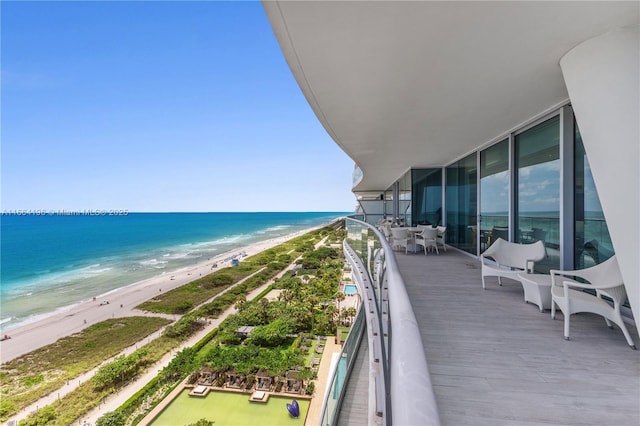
point(421, 84)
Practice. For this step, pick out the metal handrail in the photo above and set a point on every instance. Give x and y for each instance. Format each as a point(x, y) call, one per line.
point(378, 390)
point(411, 398)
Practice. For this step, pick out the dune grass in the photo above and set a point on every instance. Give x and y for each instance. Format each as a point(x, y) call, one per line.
point(27, 378)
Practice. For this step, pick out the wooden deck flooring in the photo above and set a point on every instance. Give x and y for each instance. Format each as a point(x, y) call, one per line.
point(495, 360)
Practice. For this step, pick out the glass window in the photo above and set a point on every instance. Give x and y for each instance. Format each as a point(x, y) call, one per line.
point(494, 194)
point(593, 243)
point(427, 196)
point(538, 190)
point(405, 197)
point(461, 196)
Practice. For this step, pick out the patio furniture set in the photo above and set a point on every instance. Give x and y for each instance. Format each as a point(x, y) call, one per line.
point(598, 289)
point(411, 237)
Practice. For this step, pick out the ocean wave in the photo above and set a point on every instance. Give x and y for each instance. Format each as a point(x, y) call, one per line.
point(82, 277)
point(153, 262)
point(44, 282)
point(14, 322)
point(273, 229)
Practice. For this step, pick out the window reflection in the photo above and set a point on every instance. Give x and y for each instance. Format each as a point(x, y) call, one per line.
point(593, 243)
point(461, 196)
point(494, 194)
point(427, 196)
point(538, 190)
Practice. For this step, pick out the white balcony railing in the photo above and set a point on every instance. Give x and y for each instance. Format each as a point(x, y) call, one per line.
point(400, 390)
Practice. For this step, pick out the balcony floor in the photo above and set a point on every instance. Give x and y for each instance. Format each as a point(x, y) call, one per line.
point(496, 360)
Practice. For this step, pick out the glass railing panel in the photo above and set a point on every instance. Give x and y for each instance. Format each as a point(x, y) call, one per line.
point(333, 398)
point(400, 387)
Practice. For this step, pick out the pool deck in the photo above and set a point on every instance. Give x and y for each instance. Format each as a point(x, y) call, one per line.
point(315, 408)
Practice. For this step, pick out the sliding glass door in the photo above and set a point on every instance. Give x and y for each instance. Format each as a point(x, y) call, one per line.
point(593, 243)
point(494, 194)
point(538, 189)
point(427, 196)
point(461, 201)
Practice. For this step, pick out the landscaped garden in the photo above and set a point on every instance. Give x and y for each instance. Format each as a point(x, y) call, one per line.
point(226, 408)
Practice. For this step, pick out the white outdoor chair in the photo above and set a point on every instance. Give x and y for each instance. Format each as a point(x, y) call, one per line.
point(440, 240)
point(427, 239)
point(400, 238)
point(511, 259)
point(605, 279)
point(386, 231)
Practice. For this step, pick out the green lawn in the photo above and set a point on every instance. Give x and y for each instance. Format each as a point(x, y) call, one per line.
point(226, 408)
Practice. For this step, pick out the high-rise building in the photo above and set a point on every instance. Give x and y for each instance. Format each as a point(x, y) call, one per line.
point(514, 120)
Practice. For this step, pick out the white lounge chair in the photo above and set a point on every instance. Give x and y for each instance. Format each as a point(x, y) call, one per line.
point(511, 259)
point(605, 279)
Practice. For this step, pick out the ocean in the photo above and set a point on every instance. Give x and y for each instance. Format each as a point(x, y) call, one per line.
point(51, 262)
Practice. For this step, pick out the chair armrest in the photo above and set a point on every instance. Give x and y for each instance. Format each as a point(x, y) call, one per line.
point(564, 275)
point(572, 283)
point(484, 257)
point(528, 269)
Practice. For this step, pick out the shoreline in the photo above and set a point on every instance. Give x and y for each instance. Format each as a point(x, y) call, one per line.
point(122, 301)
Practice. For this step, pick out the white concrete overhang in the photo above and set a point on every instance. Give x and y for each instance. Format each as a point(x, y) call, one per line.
point(420, 84)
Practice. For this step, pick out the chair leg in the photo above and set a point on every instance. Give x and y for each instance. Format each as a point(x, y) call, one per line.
point(606, 320)
point(620, 323)
point(566, 326)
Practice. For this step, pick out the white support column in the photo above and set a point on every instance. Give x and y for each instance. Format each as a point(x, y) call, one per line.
point(603, 80)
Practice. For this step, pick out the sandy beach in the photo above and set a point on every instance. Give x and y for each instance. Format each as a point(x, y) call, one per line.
point(122, 303)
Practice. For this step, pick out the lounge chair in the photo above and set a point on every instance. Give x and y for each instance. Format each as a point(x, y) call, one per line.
point(603, 279)
point(511, 259)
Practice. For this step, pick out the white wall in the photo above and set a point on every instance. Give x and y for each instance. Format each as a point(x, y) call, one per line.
point(602, 77)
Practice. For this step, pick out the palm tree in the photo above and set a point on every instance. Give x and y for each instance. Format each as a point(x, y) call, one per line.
point(264, 303)
point(240, 304)
point(351, 313)
point(287, 295)
point(339, 298)
point(332, 312)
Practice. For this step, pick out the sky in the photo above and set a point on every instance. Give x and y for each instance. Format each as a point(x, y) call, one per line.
point(158, 106)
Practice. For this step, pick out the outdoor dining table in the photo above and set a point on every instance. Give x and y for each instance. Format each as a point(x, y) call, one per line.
point(413, 230)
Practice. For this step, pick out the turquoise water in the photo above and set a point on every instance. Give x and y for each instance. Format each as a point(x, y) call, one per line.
point(350, 289)
point(54, 261)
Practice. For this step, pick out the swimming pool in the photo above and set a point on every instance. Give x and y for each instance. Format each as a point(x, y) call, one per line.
point(350, 289)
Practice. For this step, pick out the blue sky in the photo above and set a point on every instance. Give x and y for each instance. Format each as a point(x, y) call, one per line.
point(158, 106)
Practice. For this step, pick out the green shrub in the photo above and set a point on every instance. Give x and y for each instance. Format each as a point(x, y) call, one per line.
point(310, 388)
point(112, 418)
point(202, 422)
point(43, 416)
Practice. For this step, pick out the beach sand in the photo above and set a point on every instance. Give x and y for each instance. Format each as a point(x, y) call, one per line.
point(122, 303)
